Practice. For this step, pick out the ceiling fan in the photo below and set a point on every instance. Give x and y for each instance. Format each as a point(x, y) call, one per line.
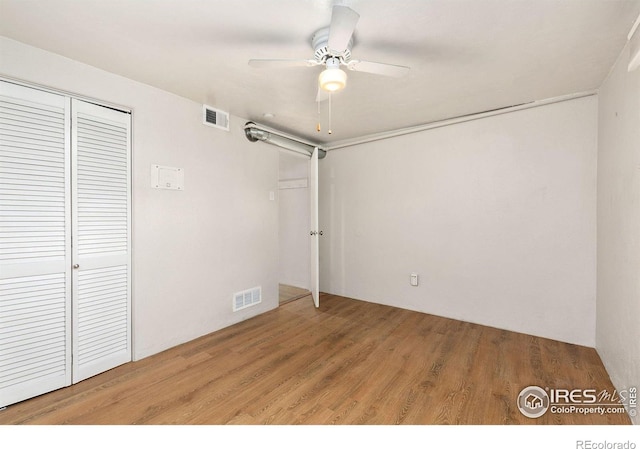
point(332, 49)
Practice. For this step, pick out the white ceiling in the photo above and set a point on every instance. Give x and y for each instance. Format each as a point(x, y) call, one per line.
point(466, 56)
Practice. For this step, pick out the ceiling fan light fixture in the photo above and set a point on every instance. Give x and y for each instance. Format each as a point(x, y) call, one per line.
point(332, 79)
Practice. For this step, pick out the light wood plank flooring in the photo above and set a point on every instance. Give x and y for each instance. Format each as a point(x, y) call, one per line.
point(348, 362)
point(291, 293)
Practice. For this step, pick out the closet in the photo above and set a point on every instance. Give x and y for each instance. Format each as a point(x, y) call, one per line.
point(65, 246)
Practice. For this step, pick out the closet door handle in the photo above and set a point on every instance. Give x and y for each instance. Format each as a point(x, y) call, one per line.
point(76, 266)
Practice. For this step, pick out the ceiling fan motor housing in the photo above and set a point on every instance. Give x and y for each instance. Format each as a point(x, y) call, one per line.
point(319, 42)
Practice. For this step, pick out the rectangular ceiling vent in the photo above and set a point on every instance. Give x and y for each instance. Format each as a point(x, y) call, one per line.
point(215, 117)
point(247, 298)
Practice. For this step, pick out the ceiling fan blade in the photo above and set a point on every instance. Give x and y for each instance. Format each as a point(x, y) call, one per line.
point(378, 68)
point(279, 63)
point(343, 24)
point(322, 95)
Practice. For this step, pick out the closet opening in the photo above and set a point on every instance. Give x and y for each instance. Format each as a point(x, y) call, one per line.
point(294, 226)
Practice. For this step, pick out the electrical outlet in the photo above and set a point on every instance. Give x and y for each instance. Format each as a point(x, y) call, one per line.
point(414, 279)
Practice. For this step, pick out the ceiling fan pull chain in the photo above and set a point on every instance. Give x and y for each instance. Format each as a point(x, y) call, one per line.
point(330, 95)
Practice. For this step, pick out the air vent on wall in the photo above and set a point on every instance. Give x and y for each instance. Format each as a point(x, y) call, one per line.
point(215, 117)
point(247, 298)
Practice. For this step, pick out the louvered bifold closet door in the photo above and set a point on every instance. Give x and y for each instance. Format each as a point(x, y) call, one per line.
point(101, 142)
point(35, 243)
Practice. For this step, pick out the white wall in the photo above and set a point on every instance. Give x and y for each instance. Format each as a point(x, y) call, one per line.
point(294, 225)
point(497, 216)
point(193, 249)
point(618, 303)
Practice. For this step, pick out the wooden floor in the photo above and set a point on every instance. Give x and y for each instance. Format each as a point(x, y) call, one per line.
point(348, 362)
point(291, 293)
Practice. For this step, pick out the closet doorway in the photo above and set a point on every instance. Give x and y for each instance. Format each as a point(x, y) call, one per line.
point(294, 227)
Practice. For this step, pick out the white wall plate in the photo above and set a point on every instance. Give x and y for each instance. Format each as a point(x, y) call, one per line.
point(169, 178)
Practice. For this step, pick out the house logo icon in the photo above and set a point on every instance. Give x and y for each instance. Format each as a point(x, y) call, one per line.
point(533, 402)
